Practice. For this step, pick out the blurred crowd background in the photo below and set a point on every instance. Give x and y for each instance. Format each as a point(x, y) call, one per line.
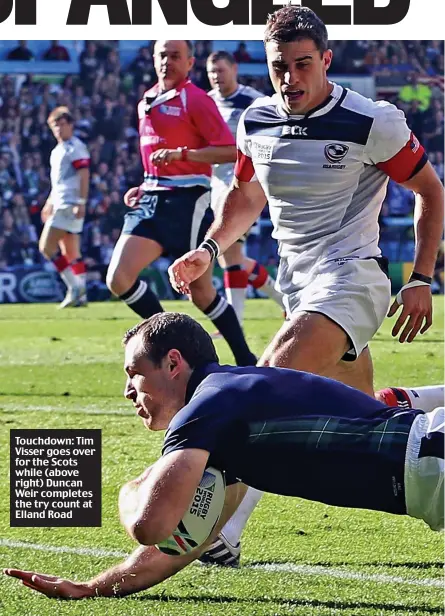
point(102, 81)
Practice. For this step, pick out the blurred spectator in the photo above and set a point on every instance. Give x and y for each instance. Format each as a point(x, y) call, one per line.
point(57, 53)
point(241, 54)
point(434, 133)
point(11, 244)
point(437, 162)
point(400, 200)
point(415, 119)
point(28, 253)
point(438, 277)
point(21, 52)
point(141, 68)
point(414, 90)
point(89, 65)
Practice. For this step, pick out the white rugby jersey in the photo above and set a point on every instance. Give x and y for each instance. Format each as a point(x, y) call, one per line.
point(231, 109)
point(325, 173)
point(66, 159)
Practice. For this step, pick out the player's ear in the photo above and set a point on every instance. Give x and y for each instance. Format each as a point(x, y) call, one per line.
point(327, 58)
point(175, 362)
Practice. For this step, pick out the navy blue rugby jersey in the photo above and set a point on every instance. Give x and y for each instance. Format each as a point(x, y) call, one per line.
point(297, 434)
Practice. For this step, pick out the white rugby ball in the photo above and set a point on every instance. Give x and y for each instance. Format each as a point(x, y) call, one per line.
point(201, 516)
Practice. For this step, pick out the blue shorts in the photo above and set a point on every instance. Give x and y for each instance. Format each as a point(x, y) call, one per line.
point(177, 219)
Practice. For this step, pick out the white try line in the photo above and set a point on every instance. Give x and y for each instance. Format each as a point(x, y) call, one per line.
point(267, 567)
point(7, 407)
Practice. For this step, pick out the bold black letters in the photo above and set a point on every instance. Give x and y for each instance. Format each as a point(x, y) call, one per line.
point(5, 10)
point(175, 13)
point(25, 12)
point(329, 14)
point(80, 10)
point(236, 11)
point(365, 13)
point(333, 15)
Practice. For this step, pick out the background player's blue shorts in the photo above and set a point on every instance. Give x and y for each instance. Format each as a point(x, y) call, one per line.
point(177, 219)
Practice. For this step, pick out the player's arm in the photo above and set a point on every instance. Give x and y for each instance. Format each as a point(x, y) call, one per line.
point(80, 207)
point(428, 217)
point(242, 206)
point(394, 149)
point(47, 209)
point(81, 163)
point(144, 568)
point(417, 309)
point(152, 505)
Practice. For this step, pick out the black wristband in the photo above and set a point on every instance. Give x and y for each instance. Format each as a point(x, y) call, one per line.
point(212, 247)
point(420, 278)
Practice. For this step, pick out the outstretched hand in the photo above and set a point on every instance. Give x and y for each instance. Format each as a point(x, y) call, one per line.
point(188, 268)
point(51, 585)
point(417, 312)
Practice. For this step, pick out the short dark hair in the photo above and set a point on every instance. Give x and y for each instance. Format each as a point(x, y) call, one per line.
point(293, 23)
point(60, 113)
point(215, 56)
point(173, 330)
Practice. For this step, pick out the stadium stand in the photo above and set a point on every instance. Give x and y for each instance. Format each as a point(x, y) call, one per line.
point(101, 81)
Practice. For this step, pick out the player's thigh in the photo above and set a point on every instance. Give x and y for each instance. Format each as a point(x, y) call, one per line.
point(309, 341)
point(358, 373)
point(70, 246)
point(50, 238)
point(353, 293)
point(131, 254)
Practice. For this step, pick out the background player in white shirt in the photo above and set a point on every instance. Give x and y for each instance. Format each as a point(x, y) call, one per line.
point(322, 156)
point(64, 210)
point(232, 98)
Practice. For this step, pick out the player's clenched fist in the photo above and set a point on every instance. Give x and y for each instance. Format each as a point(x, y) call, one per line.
point(188, 268)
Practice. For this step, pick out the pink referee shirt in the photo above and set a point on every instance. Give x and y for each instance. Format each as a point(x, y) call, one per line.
point(184, 116)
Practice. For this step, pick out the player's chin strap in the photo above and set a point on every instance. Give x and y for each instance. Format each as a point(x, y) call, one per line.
point(410, 285)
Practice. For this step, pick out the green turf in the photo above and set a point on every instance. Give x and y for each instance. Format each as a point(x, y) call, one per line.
point(63, 370)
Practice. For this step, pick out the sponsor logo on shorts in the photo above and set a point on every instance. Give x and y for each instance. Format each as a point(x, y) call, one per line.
point(335, 153)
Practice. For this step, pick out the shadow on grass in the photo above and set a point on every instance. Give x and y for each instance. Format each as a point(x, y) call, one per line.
point(339, 605)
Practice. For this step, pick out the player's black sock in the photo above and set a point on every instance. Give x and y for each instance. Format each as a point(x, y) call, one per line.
point(142, 300)
point(221, 313)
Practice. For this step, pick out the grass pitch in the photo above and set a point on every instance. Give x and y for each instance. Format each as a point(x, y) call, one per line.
point(64, 370)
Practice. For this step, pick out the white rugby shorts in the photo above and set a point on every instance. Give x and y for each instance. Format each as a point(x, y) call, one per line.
point(354, 293)
point(65, 220)
point(424, 469)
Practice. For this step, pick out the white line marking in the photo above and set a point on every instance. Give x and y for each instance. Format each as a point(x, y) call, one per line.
point(53, 409)
point(62, 549)
point(267, 567)
point(344, 574)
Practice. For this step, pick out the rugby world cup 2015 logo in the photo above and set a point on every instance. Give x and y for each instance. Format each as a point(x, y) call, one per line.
point(335, 152)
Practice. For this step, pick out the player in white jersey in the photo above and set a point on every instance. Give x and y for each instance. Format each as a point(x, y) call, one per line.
point(322, 156)
point(64, 210)
point(232, 98)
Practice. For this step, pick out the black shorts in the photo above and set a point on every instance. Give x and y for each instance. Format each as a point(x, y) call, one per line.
point(177, 219)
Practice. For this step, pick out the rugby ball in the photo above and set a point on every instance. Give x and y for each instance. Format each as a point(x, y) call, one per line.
point(201, 516)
